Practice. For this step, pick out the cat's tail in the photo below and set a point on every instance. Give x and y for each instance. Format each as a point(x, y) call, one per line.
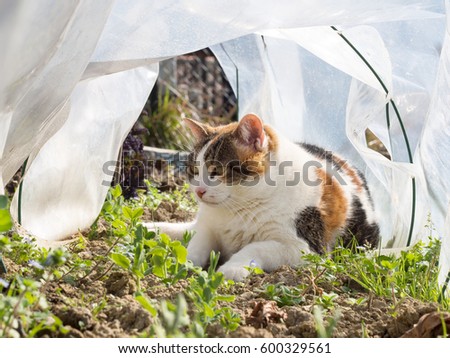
point(174, 230)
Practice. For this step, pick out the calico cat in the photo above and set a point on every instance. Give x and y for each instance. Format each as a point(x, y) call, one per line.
point(263, 199)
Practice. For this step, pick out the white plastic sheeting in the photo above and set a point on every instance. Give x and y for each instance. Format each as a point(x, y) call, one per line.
point(74, 76)
point(62, 164)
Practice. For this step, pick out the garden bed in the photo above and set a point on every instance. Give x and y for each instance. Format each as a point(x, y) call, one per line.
point(97, 287)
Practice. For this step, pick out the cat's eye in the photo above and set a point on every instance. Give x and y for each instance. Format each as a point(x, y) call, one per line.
point(213, 172)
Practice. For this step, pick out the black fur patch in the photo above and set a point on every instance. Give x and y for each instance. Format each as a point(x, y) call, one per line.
point(192, 157)
point(221, 150)
point(365, 186)
point(358, 227)
point(223, 157)
point(321, 153)
point(363, 179)
point(310, 227)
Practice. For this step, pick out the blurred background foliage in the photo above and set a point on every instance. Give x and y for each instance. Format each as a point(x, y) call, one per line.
point(193, 86)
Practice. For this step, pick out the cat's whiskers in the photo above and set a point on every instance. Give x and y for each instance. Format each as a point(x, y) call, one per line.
point(232, 209)
point(243, 211)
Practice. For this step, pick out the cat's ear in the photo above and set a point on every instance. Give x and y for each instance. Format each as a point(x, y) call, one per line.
point(199, 130)
point(250, 132)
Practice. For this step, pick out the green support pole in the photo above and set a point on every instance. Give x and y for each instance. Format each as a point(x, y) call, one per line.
point(405, 135)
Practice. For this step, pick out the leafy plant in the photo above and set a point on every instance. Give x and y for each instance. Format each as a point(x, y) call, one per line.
point(112, 208)
point(151, 253)
point(142, 252)
point(229, 319)
point(325, 327)
point(5, 216)
point(414, 273)
point(203, 291)
point(180, 197)
point(5, 224)
point(145, 303)
point(132, 168)
point(168, 259)
point(254, 269)
point(24, 311)
point(283, 295)
point(174, 320)
point(326, 300)
point(163, 123)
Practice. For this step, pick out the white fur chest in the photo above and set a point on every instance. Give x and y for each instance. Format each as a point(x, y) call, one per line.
point(231, 231)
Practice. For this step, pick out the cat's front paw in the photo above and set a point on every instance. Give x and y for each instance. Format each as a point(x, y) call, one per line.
point(234, 272)
point(198, 258)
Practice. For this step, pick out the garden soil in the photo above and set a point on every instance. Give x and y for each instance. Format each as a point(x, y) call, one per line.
point(101, 304)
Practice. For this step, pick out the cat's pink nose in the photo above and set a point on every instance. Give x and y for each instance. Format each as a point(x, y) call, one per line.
point(200, 192)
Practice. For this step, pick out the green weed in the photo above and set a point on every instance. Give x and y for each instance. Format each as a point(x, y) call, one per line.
point(174, 321)
point(151, 253)
point(203, 291)
point(326, 300)
point(325, 327)
point(145, 254)
point(5, 217)
point(181, 197)
point(414, 273)
point(283, 295)
point(142, 252)
point(24, 311)
point(163, 123)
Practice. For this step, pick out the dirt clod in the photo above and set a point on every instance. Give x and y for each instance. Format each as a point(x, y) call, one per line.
point(295, 316)
point(76, 317)
point(120, 284)
point(128, 313)
point(406, 315)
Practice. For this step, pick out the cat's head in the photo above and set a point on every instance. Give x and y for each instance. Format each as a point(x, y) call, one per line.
point(227, 158)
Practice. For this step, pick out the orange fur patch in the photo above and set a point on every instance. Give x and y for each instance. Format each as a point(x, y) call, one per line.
point(354, 177)
point(227, 128)
point(333, 206)
point(258, 161)
point(272, 137)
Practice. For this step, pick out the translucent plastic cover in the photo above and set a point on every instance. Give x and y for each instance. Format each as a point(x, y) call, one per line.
point(74, 76)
